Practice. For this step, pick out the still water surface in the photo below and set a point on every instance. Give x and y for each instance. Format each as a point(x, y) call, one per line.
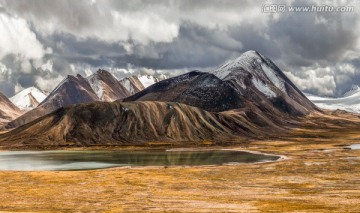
point(86, 160)
point(354, 146)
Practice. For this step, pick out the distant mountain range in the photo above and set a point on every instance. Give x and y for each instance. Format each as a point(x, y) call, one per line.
point(246, 97)
point(101, 86)
point(28, 98)
point(350, 101)
point(132, 84)
point(107, 87)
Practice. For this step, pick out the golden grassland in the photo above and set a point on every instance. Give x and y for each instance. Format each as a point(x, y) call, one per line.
point(319, 176)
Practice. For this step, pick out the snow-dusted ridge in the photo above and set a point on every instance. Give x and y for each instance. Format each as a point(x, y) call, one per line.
point(354, 89)
point(244, 61)
point(147, 80)
point(263, 75)
point(132, 84)
point(97, 85)
point(28, 98)
point(349, 102)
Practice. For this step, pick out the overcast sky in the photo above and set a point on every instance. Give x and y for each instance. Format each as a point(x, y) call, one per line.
point(42, 41)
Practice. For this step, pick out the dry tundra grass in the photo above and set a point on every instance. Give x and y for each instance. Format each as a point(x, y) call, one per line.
point(319, 176)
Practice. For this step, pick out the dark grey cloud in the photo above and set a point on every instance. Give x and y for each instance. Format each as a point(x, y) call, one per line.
point(314, 40)
point(194, 47)
point(319, 51)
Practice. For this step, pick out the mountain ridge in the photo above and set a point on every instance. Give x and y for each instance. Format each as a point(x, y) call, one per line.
point(72, 90)
point(8, 111)
point(134, 123)
point(106, 86)
point(349, 102)
point(195, 88)
point(191, 107)
point(28, 98)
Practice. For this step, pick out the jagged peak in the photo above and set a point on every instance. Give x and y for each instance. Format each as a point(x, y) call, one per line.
point(79, 76)
point(102, 71)
point(68, 79)
point(252, 53)
point(244, 60)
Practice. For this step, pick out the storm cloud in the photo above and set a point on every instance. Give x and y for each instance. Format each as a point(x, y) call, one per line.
point(43, 41)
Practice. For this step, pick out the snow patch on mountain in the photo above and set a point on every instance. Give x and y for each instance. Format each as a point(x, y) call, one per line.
point(161, 77)
point(278, 82)
point(244, 61)
point(263, 75)
point(265, 89)
point(222, 73)
point(97, 85)
point(147, 80)
point(128, 85)
point(24, 99)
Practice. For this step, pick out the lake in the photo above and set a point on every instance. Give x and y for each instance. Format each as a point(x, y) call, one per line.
point(354, 146)
point(87, 160)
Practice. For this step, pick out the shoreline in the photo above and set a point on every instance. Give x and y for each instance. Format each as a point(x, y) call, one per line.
point(280, 158)
point(312, 180)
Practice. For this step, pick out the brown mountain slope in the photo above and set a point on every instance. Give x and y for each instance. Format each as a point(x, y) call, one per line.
point(72, 90)
point(107, 87)
point(8, 111)
point(132, 84)
point(33, 101)
point(119, 123)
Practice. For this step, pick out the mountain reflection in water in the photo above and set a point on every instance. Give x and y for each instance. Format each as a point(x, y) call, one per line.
point(85, 160)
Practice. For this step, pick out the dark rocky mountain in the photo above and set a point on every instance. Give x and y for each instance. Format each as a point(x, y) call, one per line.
point(198, 89)
point(72, 90)
point(107, 87)
point(257, 79)
point(248, 80)
point(8, 111)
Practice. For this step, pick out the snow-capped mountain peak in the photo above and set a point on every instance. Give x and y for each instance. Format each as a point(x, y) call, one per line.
point(147, 80)
point(132, 84)
point(106, 86)
point(244, 61)
point(97, 85)
point(28, 98)
point(257, 78)
point(162, 77)
point(265, 75)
